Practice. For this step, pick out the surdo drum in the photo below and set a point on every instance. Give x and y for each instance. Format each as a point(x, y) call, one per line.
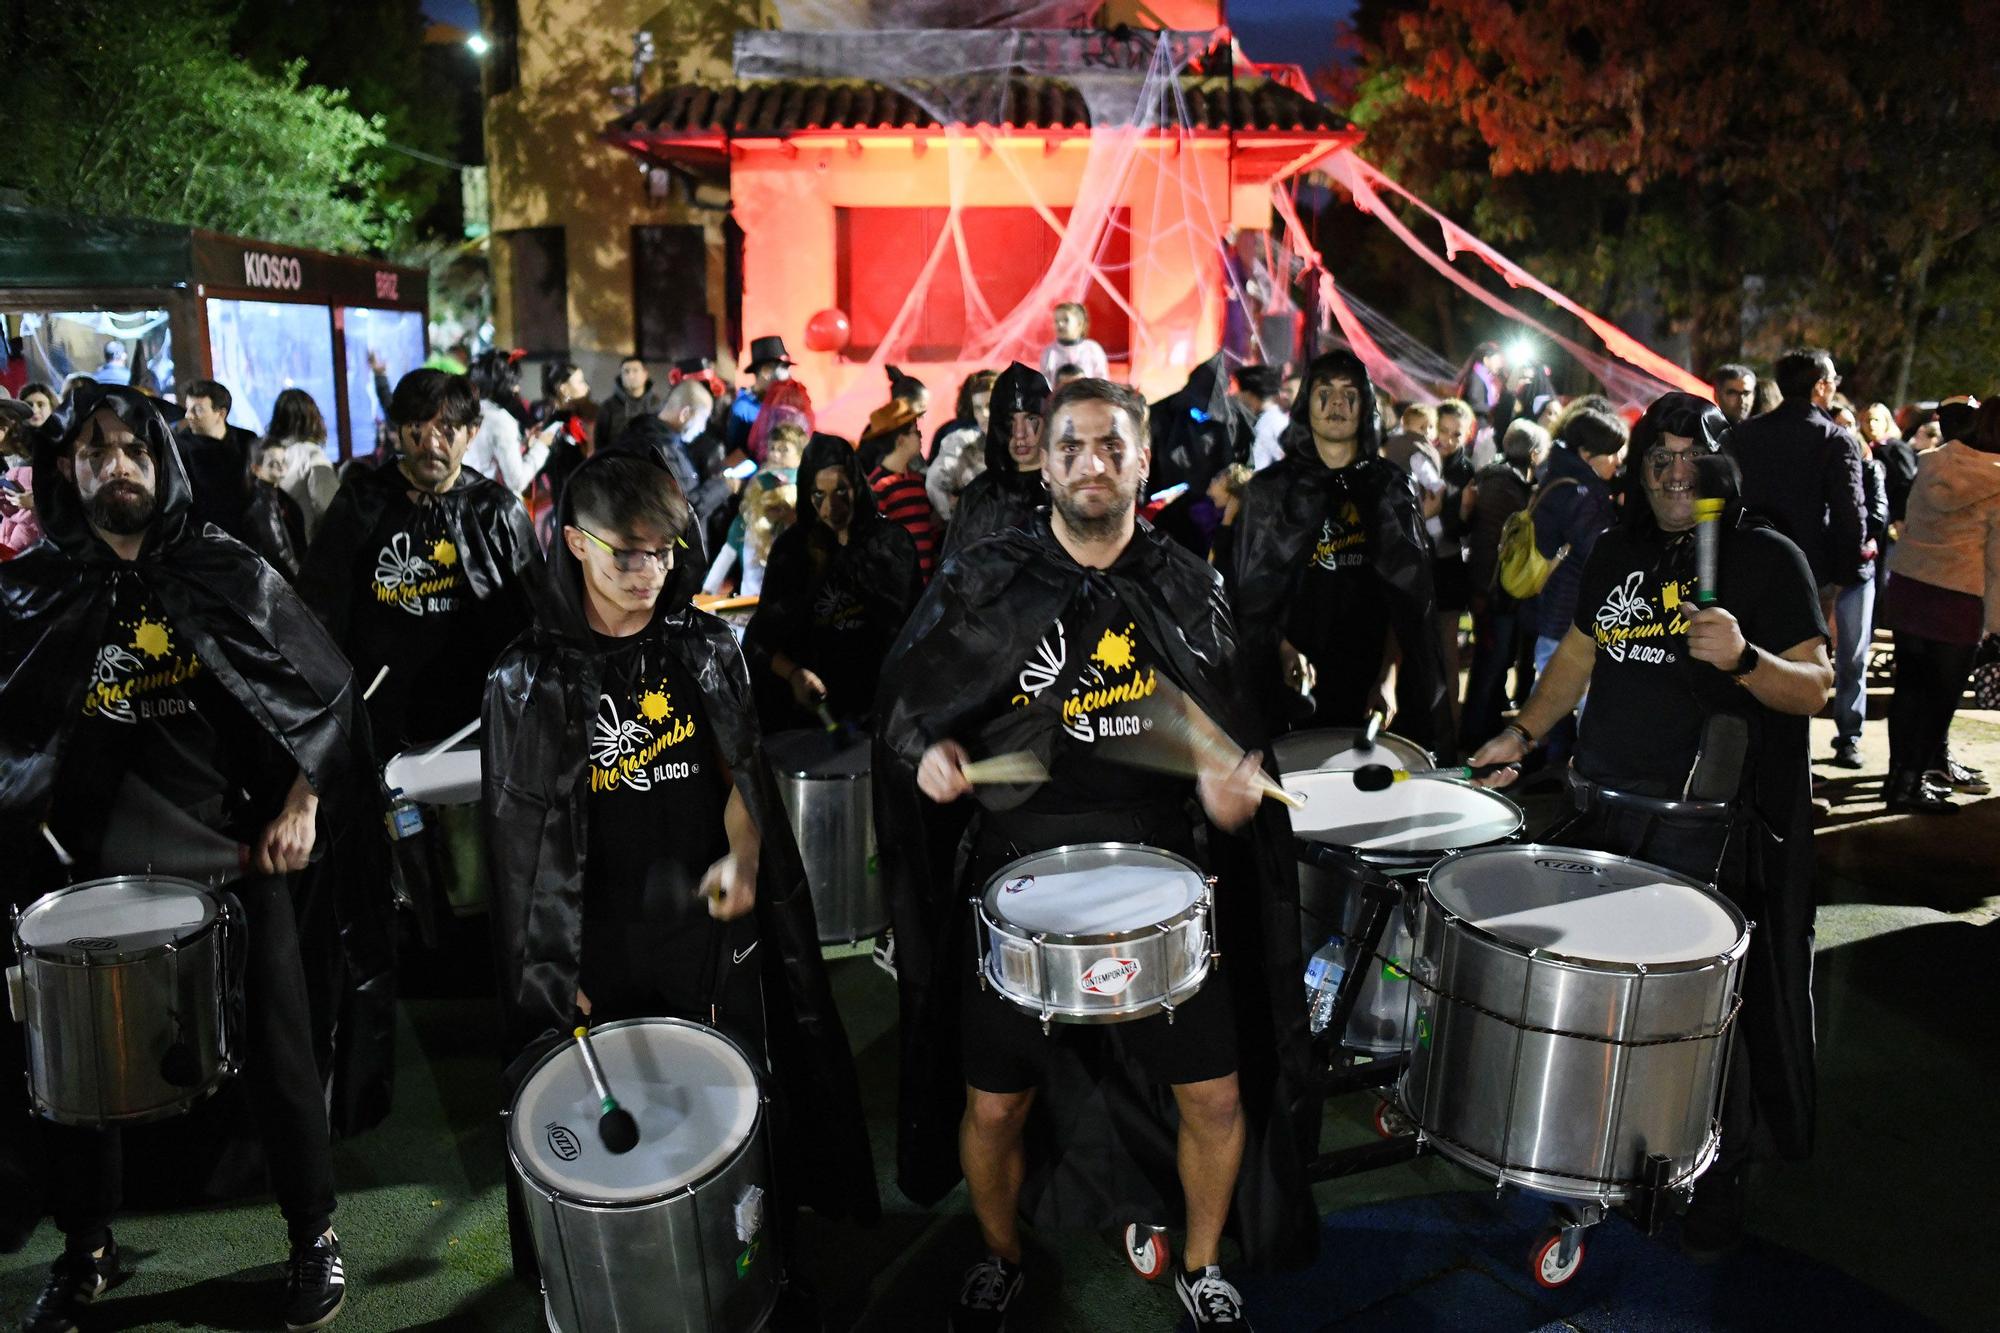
point(674, 1236)
point(1573, 1018)
point(824, 782)
point(1097, 932)
point(1345, 835)
point(123, 987)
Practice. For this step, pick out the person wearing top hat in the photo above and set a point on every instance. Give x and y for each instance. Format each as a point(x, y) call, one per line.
point(769, 364)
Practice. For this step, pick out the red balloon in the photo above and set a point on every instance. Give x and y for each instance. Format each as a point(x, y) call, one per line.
point(828, 331)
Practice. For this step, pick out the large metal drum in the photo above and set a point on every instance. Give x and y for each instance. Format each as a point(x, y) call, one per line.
point(673, 1236)
point(1100, 932)
point(1573, 1018)
point(824, 780)
point(122, 987)
point(1346, 836)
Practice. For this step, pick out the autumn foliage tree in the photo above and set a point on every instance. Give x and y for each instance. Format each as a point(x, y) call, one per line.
point(1770, 171)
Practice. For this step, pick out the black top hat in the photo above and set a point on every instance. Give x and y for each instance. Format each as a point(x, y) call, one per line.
point(694, 365)
point(766, 350)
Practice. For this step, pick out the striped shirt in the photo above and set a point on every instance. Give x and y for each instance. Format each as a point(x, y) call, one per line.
point(901, 496)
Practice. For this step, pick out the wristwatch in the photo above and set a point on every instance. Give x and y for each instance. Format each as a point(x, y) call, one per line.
point(1746, 663)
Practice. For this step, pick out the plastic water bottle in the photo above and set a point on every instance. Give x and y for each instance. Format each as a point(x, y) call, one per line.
point(1323, 973)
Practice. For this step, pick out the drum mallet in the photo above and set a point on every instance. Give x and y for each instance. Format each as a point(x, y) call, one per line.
point(616, 1128)
point(1381, 777)
point(1366, 740)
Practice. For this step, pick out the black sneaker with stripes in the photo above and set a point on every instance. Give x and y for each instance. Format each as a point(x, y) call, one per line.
point(1212, 1301)
point(315, 1283)
point(990, 1286)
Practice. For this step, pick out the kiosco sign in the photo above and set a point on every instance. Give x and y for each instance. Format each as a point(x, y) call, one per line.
point(276, 272)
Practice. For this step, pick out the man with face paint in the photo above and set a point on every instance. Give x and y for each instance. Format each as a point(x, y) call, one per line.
point(643, 865)
point(837, 587)
point(1653, 778)
point(1010, 490)
point(1065, 637)
point(168, 704)
point(418, 570)
point(1332, 575)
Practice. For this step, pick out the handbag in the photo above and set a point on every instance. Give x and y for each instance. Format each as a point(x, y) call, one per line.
point(1523, 569)
point(1985, 682)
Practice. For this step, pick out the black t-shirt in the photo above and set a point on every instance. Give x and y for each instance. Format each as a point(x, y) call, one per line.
point(657, 790)
point(1642, 723)
point(1457, 473)
point(1340, 615)
point(413, 614)
point(154, 712)
point(1100, 678)
point(844, 646)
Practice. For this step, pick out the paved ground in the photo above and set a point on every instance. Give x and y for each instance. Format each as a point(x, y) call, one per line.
point(1892, 1207)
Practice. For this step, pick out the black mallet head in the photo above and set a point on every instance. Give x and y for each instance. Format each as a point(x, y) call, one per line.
point(1374, 777)
point(617, 1130)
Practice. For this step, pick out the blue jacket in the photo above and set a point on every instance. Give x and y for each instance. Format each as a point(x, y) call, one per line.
point(1570, 516)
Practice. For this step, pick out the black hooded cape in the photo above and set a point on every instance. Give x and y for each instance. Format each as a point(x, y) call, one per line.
point(1283, 508)
point(982, 616)
point(1193, 438)
point(540, 702)
point(1002, 496)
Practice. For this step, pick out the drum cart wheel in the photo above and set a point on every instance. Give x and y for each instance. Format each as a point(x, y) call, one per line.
point(1147, 1250)
point(1390, 1122)
point(1557, 1256)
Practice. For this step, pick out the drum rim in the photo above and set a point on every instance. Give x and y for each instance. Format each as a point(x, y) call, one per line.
point(217, 912)
point(1382, 859)
point(1733, 955)
point(1202, 902)
point(1276, 741)
point(556, 1194)
point(785, 771)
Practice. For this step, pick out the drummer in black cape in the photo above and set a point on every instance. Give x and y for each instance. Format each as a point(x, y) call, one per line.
point(642, 864)
point(1709, 704)
point(839, 584)
point(1331, 573)
point(418, 570)
point(1083, 615)
point(149, 664)
point(1009, 491)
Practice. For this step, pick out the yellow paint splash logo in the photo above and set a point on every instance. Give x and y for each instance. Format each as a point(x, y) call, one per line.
point(152, 638)
point(1115, 651)
point(444, 553)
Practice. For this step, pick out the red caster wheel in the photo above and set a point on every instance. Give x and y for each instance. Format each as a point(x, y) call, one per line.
point(1546, 1264)
point(1146, 1250)
point(1391, 1123)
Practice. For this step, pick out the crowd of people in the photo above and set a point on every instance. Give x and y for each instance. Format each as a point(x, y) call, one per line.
point(1294, 551)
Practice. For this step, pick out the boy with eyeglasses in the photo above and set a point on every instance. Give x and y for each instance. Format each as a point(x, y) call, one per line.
point(641, 860)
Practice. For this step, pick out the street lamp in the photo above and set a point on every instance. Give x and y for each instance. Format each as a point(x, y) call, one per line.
point(477, 44)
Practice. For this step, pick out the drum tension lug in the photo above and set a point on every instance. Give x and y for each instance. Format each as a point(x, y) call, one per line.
point(1651, 1207)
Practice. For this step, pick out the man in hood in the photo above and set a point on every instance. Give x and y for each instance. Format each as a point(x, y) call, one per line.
point(1010, 490)
point(1194, 437)
point(634, 397)
point(1669, 686)
point(642, 861)
point(1071, 637)
point(165, 700)
point(1332, 571)
point(418, 571)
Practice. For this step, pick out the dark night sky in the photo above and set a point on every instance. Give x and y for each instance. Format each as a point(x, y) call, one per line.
point(1299, 31)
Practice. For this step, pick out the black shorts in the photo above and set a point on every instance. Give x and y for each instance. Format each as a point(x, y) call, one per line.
point(1453, 582)
point(1006, 1050)
point(700, 969)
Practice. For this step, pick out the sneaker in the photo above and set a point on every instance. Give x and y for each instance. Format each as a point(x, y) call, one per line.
point(1909, 794)
point(1958, 777)
point(990, 1287)
point(1846, 754)
point(315, 1283)
point(74, 1281)
point(1212, 1301)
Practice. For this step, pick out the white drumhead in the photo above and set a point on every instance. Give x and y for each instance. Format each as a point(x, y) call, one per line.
point(128, 914)
point(450, 779)
point(1094, 889)
point(693, 1094)
point(1337, 749)
point(1417, 815)
point(1587, 905)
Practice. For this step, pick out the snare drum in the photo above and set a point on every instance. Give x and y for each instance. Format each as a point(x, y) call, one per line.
point(1346, 835)
point(831, 806)
point(674, 1235)
point(122, 987)
point(1099, 932)
point(1575, 1019)
point(1338, 749)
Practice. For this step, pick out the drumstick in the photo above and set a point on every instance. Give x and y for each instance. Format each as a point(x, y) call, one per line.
point(374, 685)
point(1381, 777)
point(1018, 766)
point(62, 853)
point(616, 1127)
point(1183, 721)
point(449, 741)
point(1366, 741)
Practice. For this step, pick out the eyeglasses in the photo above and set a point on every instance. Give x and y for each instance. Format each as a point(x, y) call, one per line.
point(1659, 459)
point(632, 560)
